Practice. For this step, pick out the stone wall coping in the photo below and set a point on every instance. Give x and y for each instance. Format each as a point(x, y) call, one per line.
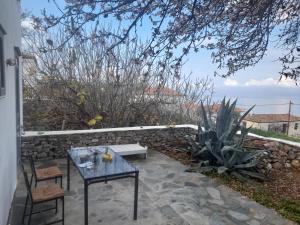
point(104, 130)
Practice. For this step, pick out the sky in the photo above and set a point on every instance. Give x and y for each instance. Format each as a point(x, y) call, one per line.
point(263, 77)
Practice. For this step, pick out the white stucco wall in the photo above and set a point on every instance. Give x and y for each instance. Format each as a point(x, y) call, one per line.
point(261, 126)
point(292, 131)
point(265, 126)
point(10, 21)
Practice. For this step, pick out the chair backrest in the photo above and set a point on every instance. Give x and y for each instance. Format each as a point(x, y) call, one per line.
point(26, 182)
point(32, 165)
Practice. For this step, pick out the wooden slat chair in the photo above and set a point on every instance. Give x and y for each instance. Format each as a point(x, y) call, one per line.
point(40, 195)
point(48, 173)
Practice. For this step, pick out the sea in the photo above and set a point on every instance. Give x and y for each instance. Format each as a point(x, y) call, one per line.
point(267, 100)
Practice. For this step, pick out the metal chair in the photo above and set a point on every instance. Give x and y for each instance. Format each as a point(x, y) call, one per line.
point(40, 195)
point(48, 173)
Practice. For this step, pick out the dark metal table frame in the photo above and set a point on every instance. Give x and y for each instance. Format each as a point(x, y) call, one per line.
point(94, 180)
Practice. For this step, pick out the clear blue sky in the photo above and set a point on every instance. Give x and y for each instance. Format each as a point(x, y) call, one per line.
point(265, 74)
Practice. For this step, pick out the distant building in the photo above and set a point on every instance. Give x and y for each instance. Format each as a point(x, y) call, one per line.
point(274, 122)
point(168, 95)
point(216, 107)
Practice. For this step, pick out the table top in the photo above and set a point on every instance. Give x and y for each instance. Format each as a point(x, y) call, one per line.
point(90, 164)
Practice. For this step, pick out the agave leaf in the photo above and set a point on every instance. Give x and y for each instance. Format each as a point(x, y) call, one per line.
point(205, 120)
point(211, 150)
point(233, 159)
point(225, 149)
point(244, 132)
point(237, 127)
point(221, 116)
point(250, 164)
point(230, 116)
point(200, 128)
point(245, 114)
point(222, 169)
point(239, 176)
point(198, 153)
point(210, 118)
point(254, 175)
point(252, 155)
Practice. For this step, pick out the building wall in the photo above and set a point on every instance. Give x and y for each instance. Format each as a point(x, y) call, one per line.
point(265, 126)
point(10, 21)
point(261, 126)
point(294, 132)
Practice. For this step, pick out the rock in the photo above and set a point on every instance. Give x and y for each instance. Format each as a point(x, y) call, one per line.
point(190, 184)
point(277, 165)
point(214, 193)
point(259, 215)
point(253, 222)
point(288, 165)
point(238, 215)
point(216, 202)
point(291, 155)
point(269, 166)
point(272, 145)
point(296, 163)
point(282, 153)
point(42, 155)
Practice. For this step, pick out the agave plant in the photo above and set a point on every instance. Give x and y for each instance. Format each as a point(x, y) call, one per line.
point(217, 146)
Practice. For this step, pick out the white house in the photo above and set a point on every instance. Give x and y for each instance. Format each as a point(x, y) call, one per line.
point(10, 82)
point(274, 122)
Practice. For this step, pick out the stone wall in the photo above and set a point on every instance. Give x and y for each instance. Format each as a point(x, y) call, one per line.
point(55, 144)
point(280, 155)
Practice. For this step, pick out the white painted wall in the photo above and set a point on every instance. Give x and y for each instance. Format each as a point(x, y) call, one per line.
point(294, 132)
point(261, 126)
point(10, 21)
point(265, 126)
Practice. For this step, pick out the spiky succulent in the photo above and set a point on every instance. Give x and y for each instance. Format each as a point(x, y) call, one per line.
point(217, 146)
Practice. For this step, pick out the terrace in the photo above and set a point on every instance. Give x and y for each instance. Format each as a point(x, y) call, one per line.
point(93, 87)
point(167, 194)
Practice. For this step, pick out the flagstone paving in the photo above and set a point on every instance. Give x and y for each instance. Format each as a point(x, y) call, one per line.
point(167, 196)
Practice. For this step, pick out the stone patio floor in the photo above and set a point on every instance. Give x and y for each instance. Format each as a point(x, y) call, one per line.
point(167, 196)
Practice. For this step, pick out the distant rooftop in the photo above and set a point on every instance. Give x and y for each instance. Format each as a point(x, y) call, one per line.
point(271, 118)
point(215, 108)
point(163, 91)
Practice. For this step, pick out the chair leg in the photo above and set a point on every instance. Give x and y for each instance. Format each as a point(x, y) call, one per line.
point(61, 182)
point(55, 206)
point(63, 210)
point(29, 219)
point(24, 213)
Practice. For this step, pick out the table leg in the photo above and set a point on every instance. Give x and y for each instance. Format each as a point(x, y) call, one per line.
point(86, 219)
point(136, 190)
point(68, 172)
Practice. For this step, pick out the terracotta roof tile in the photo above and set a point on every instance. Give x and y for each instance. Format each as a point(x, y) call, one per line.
point(271, 118)
point(215, 108)
point(163, 91)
